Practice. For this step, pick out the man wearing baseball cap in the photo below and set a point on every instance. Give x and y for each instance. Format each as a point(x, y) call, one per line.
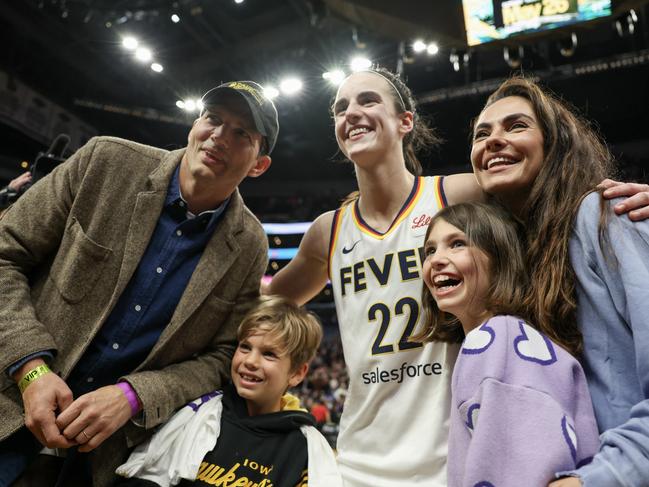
point(125, 274)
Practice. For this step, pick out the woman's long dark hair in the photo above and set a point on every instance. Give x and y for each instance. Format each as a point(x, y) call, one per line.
point(575, 161)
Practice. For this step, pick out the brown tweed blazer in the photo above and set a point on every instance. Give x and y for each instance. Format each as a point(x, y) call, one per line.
point(69, 247)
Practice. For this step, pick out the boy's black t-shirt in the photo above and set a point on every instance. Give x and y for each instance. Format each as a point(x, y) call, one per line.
point(267, 450)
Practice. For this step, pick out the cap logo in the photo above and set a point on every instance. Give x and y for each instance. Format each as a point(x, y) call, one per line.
point(242, 86)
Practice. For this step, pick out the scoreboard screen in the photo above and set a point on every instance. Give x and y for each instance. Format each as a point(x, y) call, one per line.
point(492, 20)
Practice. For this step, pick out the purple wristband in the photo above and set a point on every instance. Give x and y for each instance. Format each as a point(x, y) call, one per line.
point(131, 397)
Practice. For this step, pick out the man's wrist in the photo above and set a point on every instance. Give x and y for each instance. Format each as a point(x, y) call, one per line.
point(33, 374)
point(26, 367)
point(13, 369)
point(131, 397)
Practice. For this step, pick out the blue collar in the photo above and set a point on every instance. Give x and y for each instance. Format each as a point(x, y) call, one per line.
point(175, 200)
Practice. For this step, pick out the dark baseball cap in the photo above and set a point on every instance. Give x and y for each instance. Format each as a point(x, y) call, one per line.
point(264, 113)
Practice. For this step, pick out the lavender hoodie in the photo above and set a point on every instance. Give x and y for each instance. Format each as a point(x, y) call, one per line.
point(521, 410)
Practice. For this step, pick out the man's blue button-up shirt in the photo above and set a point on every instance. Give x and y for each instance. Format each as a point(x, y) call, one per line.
point(145, 307)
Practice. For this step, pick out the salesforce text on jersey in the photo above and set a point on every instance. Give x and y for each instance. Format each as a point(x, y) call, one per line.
point(405, 371)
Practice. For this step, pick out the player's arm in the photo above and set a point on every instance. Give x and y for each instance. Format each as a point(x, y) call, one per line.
point(306, 275)
point(462, 188)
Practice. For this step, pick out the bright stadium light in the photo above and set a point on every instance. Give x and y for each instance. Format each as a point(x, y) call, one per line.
point(290, 86)
point(419, 46)
point(130, 43)
point(157, 67)
point(143, 54)
point(334, 77)
point(360, 64)
point(432, 49)
point(175, 18)
point(271, 92)
point(180, 104)
point(190, 105)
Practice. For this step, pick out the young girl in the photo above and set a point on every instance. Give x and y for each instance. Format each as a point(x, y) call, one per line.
point(520, 404)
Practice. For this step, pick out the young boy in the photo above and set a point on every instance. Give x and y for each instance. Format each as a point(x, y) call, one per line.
point(252, 433)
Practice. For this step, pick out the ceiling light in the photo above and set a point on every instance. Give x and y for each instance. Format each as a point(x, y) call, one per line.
point(157, 67)
point(335, 77)
point(360, 64)
point(190, 105)
point(419, 46)
point(432, 49)
point(290, 86)
point(175, 18)
point(143, 54)
point(271, 92)
point(180, 104)
point(238, 1)
point(129, 43)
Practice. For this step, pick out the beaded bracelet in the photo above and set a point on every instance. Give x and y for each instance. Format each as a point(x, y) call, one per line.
point(32, 375)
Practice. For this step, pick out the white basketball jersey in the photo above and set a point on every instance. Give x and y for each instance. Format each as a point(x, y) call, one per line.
point(394, 427)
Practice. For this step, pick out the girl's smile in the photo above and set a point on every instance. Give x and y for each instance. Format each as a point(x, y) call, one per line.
point(457, 274)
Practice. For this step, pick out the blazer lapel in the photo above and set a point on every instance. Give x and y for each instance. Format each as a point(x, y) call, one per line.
point(144, 219)
point(219, 255)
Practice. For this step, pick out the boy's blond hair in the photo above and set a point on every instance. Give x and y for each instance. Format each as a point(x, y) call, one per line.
point(296, 331)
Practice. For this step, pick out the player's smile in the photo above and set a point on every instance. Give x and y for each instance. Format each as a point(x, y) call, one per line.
point(365, 117)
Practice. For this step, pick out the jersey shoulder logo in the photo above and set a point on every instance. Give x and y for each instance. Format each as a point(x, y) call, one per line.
point(348, 250)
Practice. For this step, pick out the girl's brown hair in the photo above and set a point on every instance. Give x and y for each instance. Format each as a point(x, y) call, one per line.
point(575, 161)
point(492, 230)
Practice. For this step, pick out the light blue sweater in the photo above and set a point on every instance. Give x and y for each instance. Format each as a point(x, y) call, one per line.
point(613, 313)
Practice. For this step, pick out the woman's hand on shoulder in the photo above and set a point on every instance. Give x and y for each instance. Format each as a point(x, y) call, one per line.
point(636, 205)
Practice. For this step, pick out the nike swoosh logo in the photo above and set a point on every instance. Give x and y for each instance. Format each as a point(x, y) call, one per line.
point(348, 250)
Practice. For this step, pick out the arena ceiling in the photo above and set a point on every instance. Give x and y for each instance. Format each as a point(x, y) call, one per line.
point(70, 51)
